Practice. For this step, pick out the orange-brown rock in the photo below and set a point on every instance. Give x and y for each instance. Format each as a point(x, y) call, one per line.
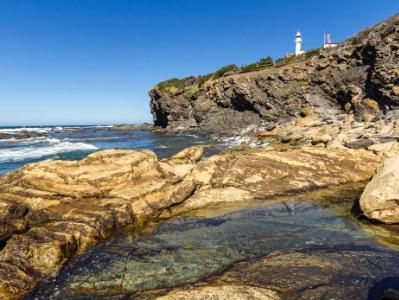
point(260, 174)
point(53, 210)
point(224, 292)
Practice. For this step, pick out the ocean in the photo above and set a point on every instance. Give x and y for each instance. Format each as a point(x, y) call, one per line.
point(76, 142)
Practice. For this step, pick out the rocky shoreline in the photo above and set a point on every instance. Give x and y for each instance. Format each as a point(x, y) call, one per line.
point(52, 211)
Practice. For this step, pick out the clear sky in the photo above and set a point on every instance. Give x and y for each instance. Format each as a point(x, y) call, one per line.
point(93, 61)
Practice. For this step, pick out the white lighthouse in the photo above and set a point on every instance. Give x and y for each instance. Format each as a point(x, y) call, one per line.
point(298, 44)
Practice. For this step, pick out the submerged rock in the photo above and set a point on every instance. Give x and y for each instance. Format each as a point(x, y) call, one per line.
point(305, 249)
point(314, 274)
point(224, 292)
point(380, 199)
point(53, 210)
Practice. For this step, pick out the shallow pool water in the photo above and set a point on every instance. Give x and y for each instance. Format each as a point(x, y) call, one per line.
point(186, 249)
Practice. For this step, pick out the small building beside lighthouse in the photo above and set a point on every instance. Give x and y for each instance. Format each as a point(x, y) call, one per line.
point(298, 44)
point(328, 43)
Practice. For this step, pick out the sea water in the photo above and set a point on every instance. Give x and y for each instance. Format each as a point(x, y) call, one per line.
point(76, 142)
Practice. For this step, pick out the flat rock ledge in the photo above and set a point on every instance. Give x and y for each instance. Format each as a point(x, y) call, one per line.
point(51, 211)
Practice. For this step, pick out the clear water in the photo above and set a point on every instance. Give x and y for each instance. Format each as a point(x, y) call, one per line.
point(76, 142)
point(186, 249)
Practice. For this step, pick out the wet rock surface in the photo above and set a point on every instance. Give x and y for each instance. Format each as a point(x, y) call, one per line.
point(53, 211)
point(22, 135)
point(293, 250)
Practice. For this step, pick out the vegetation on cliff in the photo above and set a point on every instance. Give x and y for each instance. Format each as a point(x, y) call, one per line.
point(175, 85)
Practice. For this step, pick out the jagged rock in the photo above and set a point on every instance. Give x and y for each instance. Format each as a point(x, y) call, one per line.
point(359, 76)
point(54, 210)
point(380, 199)
point(22, 135)
point(129, 127)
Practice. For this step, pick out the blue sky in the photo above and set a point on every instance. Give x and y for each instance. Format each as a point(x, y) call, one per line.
point(93, 61)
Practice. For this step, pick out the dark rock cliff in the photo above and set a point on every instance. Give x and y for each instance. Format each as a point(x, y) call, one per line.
point(360, 76)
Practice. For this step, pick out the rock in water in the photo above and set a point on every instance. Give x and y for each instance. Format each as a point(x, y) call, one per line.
point(224, 292)
point(53, 210)
point(380, 199)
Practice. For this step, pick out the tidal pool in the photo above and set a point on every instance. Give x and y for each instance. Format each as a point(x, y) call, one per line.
point(187, 249)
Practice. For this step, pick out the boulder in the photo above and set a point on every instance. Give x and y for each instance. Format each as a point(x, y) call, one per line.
point(380, 199)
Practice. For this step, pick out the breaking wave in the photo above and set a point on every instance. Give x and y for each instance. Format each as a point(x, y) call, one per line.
point(47, 148)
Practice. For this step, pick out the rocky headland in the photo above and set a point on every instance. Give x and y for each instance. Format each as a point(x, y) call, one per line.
point(357, 78)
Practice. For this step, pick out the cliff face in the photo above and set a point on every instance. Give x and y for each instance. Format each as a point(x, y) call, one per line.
point(360, 76)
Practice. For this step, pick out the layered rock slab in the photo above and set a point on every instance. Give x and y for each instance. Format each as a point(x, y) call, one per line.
point(54, 210)
point(224, 292)
point(259, 174)
point(310, 274)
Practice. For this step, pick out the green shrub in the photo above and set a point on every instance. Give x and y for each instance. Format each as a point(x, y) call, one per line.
point(174, 85)
point(260, 64)
point(219, 73)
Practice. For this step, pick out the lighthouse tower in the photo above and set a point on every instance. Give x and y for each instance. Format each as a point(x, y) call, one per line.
point(298, 44)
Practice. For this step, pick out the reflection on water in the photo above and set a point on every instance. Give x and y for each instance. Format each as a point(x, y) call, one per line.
point(187, 249)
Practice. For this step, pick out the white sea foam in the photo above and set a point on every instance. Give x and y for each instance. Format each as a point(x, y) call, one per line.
point(51, 147)
point(29, 129)
point(235, 141)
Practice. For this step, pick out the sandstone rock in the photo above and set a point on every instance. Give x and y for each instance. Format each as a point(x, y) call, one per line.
point(260, 174)
point(388, 148)
point(54, 210)
point(62, 208)
point(265, 134)
point(224, 292)
point(380, 199)
point(321, 273)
